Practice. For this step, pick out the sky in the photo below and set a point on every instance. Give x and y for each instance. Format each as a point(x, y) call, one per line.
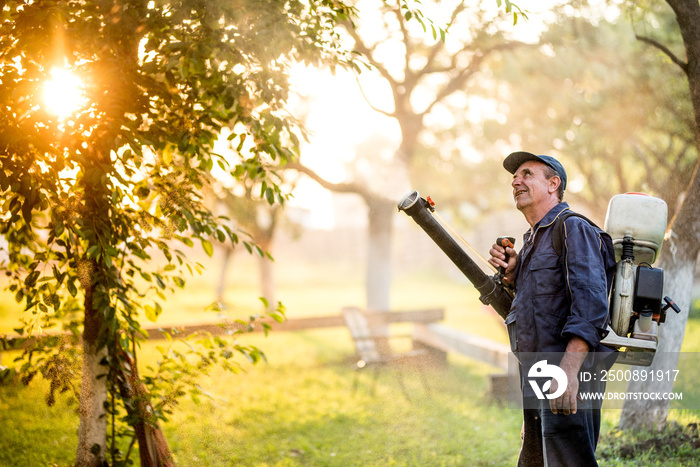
point(338, 119)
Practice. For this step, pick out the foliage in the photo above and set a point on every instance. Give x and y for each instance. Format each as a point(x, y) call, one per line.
point(410, 13)
point(179, 368)
point(605, 103)
point(511, 7)
point(97, 204)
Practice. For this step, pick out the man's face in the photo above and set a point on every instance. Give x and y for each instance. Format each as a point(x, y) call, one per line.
point(530, 186)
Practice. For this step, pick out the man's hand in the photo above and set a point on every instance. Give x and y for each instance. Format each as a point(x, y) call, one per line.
point(566, 403)
point(498, 257)
point(576, 351)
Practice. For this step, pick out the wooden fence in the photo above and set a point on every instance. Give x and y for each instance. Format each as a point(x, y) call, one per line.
point(427, 332)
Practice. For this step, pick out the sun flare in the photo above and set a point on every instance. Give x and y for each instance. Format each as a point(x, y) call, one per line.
point(63, 94)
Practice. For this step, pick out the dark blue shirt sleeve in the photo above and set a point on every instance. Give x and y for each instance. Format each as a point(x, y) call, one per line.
point(585, 265)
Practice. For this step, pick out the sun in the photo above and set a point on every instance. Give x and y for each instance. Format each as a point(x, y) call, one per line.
point(63, 93)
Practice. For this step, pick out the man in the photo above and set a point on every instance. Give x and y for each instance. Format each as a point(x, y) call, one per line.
point(560, 308)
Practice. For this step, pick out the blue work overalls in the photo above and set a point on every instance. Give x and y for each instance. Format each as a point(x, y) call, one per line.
point(558, 297)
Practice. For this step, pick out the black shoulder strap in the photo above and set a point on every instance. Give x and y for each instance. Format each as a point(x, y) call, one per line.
point(558, 229)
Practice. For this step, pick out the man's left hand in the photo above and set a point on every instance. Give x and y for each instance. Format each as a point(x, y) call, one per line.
point(576, 351)
point(566, 403)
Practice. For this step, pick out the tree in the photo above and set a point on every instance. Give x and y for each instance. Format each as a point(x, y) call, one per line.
point(680, 252)
point(423, 79)
point(605, 105)
point(633, 123)
point(257, 218)
point(97, 202)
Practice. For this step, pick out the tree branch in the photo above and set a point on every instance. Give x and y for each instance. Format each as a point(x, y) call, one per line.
point(439, 45)
point(458, 81)
point(664, 49)
point(406, 40)
point(367, 52)
point(376, 109)
point(336, 187)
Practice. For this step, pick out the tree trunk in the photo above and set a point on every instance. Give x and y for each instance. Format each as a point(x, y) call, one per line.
point(678, 257)
point(264, 235)
point(680, 250)
point(267, 281)
point(225, 261)
point(153, 447)
point(678, 281)
point(378, 276)
point(92, 428)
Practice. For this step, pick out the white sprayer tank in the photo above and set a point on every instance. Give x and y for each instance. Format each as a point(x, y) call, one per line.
point(641, 217)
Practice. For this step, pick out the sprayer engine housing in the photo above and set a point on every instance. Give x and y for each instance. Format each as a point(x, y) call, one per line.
point(637, 224)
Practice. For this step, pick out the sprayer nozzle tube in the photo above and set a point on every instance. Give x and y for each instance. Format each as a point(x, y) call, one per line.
point(421, 212)
point(408, 200)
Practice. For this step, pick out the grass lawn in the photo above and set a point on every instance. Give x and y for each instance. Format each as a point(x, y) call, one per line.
point(301, 408)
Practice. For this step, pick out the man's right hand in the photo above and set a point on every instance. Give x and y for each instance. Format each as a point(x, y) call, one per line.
point(498, 259)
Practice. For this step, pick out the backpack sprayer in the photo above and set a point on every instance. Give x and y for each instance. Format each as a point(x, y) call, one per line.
point(636, 223)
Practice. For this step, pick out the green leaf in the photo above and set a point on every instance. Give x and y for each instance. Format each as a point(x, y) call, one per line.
point(72, 290)
point(93, 251)
point(208, 248)
point(152, 313)
point(277, 316)
point(31, 279)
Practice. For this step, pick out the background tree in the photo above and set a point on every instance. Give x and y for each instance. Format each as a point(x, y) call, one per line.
point(680, 251)
point(259, 220)
point(605, 105)
point(96, 202)
point(605, 98)
point(429, 86)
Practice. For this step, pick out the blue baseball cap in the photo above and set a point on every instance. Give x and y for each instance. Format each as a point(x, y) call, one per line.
point(516, 159)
